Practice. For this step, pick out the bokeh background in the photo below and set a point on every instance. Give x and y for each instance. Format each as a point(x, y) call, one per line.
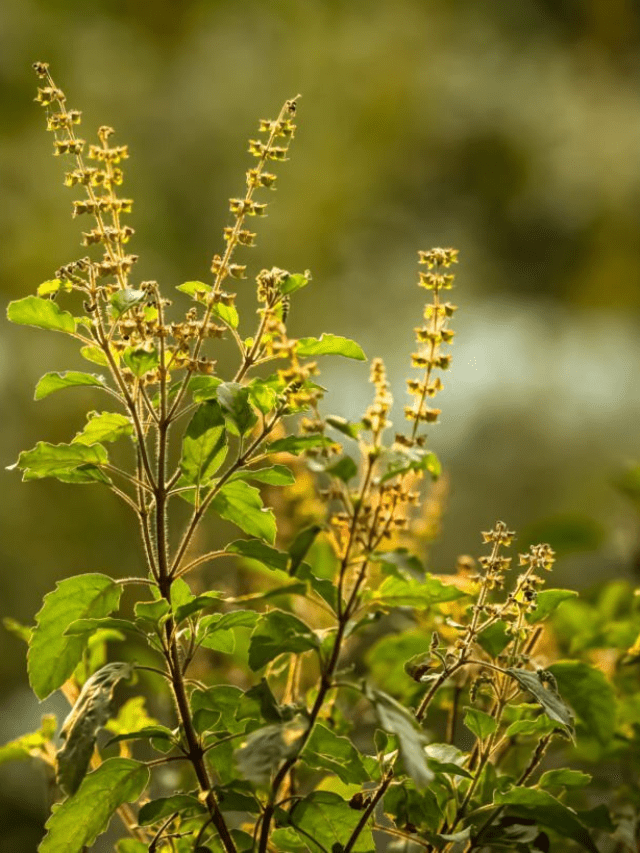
point(509, 130)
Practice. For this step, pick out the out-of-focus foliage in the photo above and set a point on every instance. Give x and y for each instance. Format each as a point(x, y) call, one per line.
point(510, 130)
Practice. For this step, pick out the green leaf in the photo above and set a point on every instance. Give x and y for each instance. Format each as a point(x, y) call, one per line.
point(482, 725)
point(42, 313)
point(264, 749)
point(204, 388)
point(195, 289)
point(124, 300)
point(446, 758)
point(345, 469)
point(70, 463)
point(51, 382)
point(227, 313)
point(52, 287)
point(211, 625)
point(401, 592)
point(278, 632)
point(254, 549)
point(204, 445)
point(548, 600)
point(90, 626)
point(30, 745)
point(195, 604)
point(298, 443)
point(344, 426)
point(130, 845)
point(241, 504)
point(494, 639)
point(396, 720)
point(259, 701)
point(216, 707)
point(103, 426)
point(552, 703)
point(79, 731)
point(537, 727)
point(326, 822)
point(294, 282)
point(140, 360)
point(22, 632)
point(564, 777)
point(97, 355)
point(157, 810)
point(274, 475)
point(263, 395)
point(52, 655)
point(401, 460)
point(548, 811)
point(300, 546)
point(77, 823)
point(330, 345)
point(590, 695)
point(325, 750)
point(152, 612)
point(234, 400)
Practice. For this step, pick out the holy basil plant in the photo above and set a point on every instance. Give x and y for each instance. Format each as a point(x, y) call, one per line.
point(284, 651)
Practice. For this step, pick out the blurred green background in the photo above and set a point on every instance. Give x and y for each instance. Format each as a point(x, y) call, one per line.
point(509, 130)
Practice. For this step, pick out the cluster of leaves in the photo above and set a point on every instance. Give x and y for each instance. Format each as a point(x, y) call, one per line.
point(316, 741)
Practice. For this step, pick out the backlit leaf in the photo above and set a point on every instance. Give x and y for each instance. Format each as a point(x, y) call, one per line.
point(400, 592)
point(124, 300)
point(51, 382)
point(42, 313)
point(161, 808)
point(140, 360)
point(274, 475)
point(76, 823)
point(70, 463)
point(330, 345)
point(298, 443)
point(52, 655)
point(29, 745)
point(590, 695)
point(548, 600)
point(241, 504)
point(564, 777)
point(234, 401)
point(327, 821)
point(278, 632)
point(294, 282)
point(204, 445)
point(103, 426)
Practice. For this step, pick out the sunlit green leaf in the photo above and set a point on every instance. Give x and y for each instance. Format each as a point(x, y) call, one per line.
point(298, 443)
point(274, 475)
point(76, 823)
point(494, 639)
point(140, 360)
point(42, 313)
point(29, 745)
point(401, 460)
point(254, 549)
point(564, 777)
point(344, 426)
point(195, 289)
point(330, 345)
point(446, 758)
point(204, 388)
point(549, 600)
point(51, 382)
point(124, 300)
point(278, 632)
point(53, 287)
point(234, 401)
point(590, 695)
point(53, 655)
point(294, 282)
point(204, 445)
point(400, 592)
point(241, 504)
point(103, 426)
point(71, 463)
